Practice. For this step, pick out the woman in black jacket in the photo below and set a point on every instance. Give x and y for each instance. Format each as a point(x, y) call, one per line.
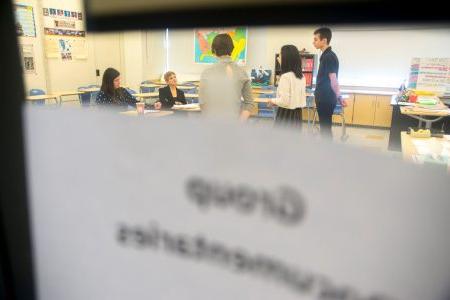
point(170, 95)
point(111, 94)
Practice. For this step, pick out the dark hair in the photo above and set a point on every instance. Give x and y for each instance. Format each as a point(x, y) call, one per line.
point(291, 61)
point(108, 81)
point(222, 45)
point(324, 33)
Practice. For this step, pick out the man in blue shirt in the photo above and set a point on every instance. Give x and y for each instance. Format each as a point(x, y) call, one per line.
point(327, 91)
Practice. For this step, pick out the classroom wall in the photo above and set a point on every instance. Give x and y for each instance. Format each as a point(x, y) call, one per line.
point(38, 79)
point(133, 58)
point(371, 56)
point(154, 59)
point(181, 51)
point(124, 51)
point(69, 75)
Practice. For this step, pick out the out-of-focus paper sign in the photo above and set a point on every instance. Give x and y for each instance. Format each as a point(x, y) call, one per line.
point(168, 208)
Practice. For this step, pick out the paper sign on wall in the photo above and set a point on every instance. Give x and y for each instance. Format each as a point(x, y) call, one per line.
point(54, 47)
point(430, 74)
point(28, 62)
point(25, 25)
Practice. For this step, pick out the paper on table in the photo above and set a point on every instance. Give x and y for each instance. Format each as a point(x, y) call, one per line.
point(151, 111)
point(421, 143)
point(187, 106)
point(423, 150)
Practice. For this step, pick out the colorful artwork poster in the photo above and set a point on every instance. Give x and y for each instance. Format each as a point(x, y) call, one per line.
point(203, 39)
point(66, 32)
point(25, 20)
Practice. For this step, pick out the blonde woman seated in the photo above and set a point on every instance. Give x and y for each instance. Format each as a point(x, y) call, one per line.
point(170, 95)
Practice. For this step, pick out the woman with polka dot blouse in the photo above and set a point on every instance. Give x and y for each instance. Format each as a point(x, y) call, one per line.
point(111, 94)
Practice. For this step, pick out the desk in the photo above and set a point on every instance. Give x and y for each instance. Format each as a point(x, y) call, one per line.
point(431, 149)
point(90, 90)
point(187, 107)
point(259, 91)
point(161, 113)
point(146, 95)
point(43, 97)
point(68, 93)
point(186, 87)
point(150, 85)
point(420, 114)
point(191, 95)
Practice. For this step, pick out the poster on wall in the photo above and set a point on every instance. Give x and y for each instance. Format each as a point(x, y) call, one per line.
point(77, 47)
point(430, 74)
point(28, 62)
point(260, 77)
point(65, 49)
point(203, 39)
point(25, 25)
point(64, 34)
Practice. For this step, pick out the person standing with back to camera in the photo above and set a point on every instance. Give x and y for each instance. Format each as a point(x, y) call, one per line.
point(291, 91)
point(225, 90)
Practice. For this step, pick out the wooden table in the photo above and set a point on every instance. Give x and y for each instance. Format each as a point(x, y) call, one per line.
point(421, 113)
point(433, 147)
point(43, 97)
point(161, 113)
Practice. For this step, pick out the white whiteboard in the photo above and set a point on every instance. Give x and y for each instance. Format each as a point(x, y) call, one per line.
point(382, 58)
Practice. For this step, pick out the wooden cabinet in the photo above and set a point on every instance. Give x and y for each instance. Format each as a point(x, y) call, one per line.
point(348, 112)
point(383, 112)
point(364, 109)
point(371, 110)
point(311, 114)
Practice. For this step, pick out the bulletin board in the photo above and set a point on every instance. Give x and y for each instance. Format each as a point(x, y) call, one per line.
point(65, 35)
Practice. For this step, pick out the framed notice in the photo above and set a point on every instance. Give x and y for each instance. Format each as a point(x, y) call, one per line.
point(28, 62)
point(25, 25)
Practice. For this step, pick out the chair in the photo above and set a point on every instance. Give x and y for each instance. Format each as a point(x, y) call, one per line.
point(131, 91)
point(85, 98)
point(264, 111)
point(191, 91)
point(143, 89)
point(36, 92)
point(338, 111)
point(93, 95)
point(310, 107)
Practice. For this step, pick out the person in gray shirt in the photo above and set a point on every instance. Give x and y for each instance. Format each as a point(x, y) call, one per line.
point(225, 90)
